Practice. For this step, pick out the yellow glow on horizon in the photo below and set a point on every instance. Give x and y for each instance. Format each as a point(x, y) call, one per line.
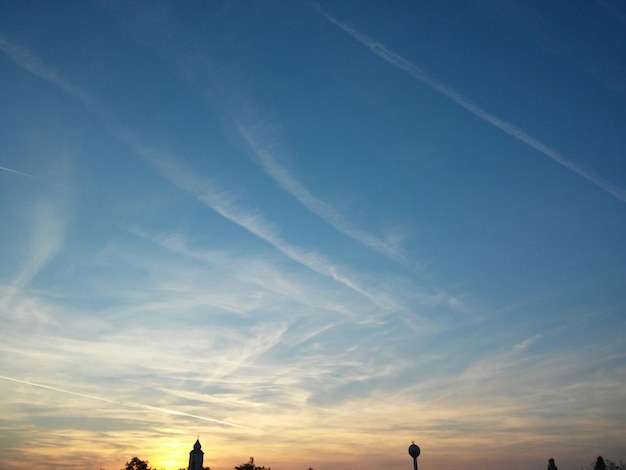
point(358, 433)
point(168, 464)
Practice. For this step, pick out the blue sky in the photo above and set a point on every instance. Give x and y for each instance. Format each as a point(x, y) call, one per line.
point(312, 233)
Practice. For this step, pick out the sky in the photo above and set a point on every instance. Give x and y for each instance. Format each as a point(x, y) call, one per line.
point(312, 233)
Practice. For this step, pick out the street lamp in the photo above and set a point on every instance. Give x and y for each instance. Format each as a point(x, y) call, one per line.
point(414, 451)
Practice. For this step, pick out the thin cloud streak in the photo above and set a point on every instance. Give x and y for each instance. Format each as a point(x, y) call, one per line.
point(47, 240)
point(223, 204)
point(320, 208)
point(403, 64)
point(122, 403)
point(219, 202)
point(265, 276)
point(33, 64)
point(21, 173)
point(527, 343)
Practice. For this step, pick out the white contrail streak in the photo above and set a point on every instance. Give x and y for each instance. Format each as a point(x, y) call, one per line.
point(18, 172)
point(403, 64)
point(122, 403)
point(223, 204)
point(3, 168)
point(313, 203)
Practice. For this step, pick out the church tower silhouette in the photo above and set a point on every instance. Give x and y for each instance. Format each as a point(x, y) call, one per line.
point(196, 456)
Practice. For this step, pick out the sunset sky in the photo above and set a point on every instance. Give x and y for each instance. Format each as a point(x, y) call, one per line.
point(312, 233)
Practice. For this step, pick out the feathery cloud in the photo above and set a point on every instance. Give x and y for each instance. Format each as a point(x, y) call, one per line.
point(322, 209)
point(47, 239)
point(224, 204)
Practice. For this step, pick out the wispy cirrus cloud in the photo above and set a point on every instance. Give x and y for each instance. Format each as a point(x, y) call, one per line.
point(224, 203)
point(401, 63)
point(527, 343)
point(259, 274)
point(33, 64)
point(116, 402)
point(235, 104)
point(310, 343)
point(30, 62)
point(221, 202)
point(321, 208)
point(45, 241)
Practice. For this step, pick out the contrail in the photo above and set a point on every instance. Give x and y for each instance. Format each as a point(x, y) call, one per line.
point(403, 64)
point(3, 168)
point(122, 403)
point(223, 204)
point(320, 208)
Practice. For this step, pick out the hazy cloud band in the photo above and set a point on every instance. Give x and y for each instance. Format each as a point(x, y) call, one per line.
point(122, 403)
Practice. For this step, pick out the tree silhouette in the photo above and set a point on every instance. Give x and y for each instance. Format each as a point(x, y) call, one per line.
point(137, 464)
point(552, 465)
point(250, 466)
point(606, 464)
point(602, 464)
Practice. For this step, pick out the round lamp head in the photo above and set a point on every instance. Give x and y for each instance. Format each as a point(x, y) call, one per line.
point(414, 450)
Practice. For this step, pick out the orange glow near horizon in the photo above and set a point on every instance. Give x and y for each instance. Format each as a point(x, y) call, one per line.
point(309, 437)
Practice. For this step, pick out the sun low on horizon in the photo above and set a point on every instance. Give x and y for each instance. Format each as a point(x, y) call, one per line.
point(312, 233)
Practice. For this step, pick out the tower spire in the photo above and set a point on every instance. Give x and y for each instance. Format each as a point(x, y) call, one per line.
point(196, 456)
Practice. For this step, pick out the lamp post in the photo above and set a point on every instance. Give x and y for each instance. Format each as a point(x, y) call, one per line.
point(414, 451)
